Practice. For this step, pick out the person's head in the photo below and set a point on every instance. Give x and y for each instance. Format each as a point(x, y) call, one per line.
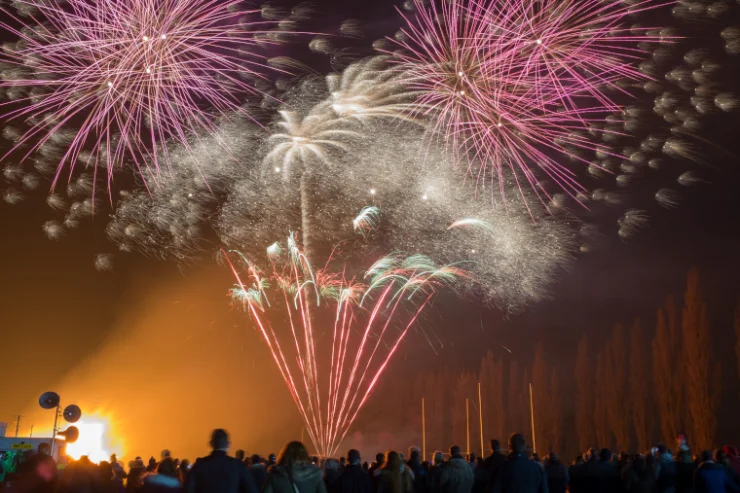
point(682, 443)
point(662, 449)
point(165, 454)
point(392, 461)
point(220, 440)
point(495, 445)
point(292, 453)
point(379, 459)
point(705, 456)
point(44, 449)
point(184, 465)
point(271, 459)
point(730, 451)
point(517, 445)
point(454, 451)
point(471, 458)
point(239, 454)
point(438, 457)
point(365, 466)
point(152, 461)
point(578, 460)
point(480, 462)
point(623, 456)
point(167, 467)
point(414, 454)
point(113, 459)
point(342, 461)
point(331, 466)
point(552, 458)
point(720, 457)
point(605, 455)
point(353, 456)
point(639, 464)
point(254, 460)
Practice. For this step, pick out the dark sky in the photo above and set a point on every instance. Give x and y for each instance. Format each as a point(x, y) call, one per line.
point(152, 342)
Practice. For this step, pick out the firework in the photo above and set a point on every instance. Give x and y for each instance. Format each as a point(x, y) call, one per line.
point(129, 76)
point(365, 322)
point(512, 83)
point(170, 216)
point(366, 220)
point(377, 164)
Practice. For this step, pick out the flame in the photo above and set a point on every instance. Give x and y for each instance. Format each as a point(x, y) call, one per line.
point(93, 439)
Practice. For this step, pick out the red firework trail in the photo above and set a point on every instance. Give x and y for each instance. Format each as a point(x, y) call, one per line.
point(294, 305)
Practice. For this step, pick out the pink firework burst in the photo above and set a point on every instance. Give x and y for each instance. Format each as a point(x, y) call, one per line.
point(332, 336)
point(128, 75)
point(513, 84)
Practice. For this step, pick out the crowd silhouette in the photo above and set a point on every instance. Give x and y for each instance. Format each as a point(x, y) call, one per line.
point(660, 470)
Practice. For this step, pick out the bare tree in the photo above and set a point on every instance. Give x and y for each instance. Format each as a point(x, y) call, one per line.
point(702, 390)
point(498, 427)
point(643, 419)
point(513, 421)
point(542, 399)
point(556, 411)
point(464, 389)
point(584, 371)
point(667, 372)
point(616, 388)
point(492, 388)
point(600, 417)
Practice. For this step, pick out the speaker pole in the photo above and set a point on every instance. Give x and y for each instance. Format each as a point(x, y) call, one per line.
point(54, 430)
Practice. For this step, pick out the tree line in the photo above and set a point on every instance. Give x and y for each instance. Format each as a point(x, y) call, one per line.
point(639, 388)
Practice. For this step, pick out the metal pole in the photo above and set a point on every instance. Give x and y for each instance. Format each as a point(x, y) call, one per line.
point(531, 414)
point(423, 430)
point(30, 435)
point(480, 413)
point(54, 430)
point(17, 425)
point(467, 424)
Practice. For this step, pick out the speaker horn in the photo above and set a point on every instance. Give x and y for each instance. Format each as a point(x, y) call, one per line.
point(71, 434)
point(49, 400)
point(72, 413)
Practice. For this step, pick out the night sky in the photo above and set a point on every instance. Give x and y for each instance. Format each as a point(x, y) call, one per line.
point(150, 331)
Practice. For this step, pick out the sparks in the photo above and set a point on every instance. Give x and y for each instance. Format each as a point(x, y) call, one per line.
point(546, 65)
point(73, 47)
point(368, 322)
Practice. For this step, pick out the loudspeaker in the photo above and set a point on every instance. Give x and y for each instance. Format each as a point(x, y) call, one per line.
point(71, 434)
point(49, 400)
point(72, 413)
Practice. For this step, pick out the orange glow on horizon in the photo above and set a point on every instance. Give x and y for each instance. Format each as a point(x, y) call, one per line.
point(94, 440)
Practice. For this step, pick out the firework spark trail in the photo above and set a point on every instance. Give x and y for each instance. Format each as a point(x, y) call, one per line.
point(510, 82)
point(366, 220)
point(330, 406)
point(132, 75)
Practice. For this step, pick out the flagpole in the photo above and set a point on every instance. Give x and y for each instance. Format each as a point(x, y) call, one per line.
point(531, 414)
point(480, 416)
point(467, 423)
point(423, 431)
